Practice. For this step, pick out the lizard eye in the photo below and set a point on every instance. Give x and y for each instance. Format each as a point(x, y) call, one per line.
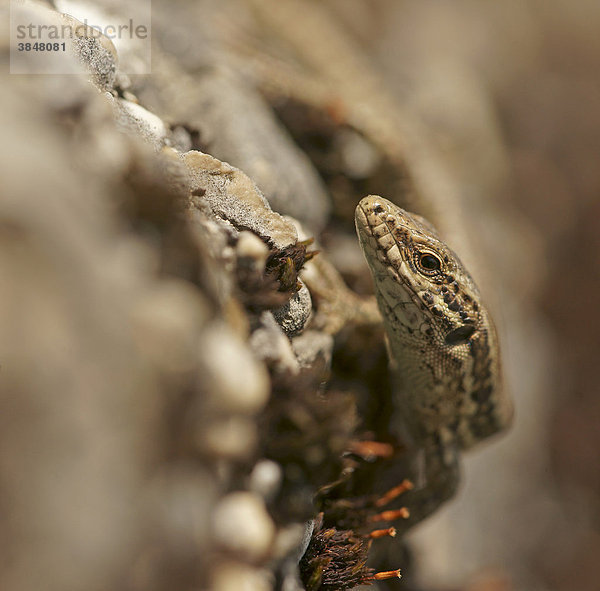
point(429, 263)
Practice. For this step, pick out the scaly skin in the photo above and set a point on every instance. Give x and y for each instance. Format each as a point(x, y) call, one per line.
point(442, 343)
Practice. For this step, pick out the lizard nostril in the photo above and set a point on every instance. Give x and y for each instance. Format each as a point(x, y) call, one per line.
point(378, 208)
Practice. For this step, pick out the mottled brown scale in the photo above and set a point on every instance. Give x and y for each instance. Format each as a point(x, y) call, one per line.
point(441, 337)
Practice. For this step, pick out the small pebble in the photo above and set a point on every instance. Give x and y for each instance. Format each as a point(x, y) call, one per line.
point(250, 246)
point(243, 526)
point(233, 438)
point(236, 381)
point(271, 344)
point(233, 576)
point(292, 316)
point(265, 479)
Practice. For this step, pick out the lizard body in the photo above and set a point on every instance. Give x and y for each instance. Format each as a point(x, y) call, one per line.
point(441, 336)
point(442, 344)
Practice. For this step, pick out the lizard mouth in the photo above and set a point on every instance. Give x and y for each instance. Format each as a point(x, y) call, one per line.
point(378, 223)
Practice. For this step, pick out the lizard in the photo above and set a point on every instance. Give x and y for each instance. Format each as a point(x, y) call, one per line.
point(441, 340)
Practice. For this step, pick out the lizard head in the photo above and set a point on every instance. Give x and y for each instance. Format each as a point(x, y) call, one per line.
point(440, 334)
